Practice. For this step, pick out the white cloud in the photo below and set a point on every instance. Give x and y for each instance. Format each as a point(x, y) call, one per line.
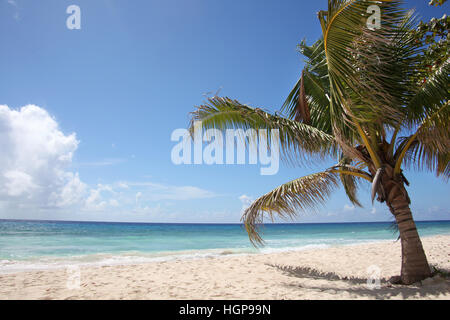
point(18, 183)
point(154, 213)
point(132, 196)
point(246, 201)
point(373, 211)
point(349, 207)
point(71, 193)
point(34, 159)
point(331, 213)
point(36, 178)
point(95, 201)
point(13, 3)
point(113, 203)
point(102, 163)
point(157, 191)
point(123, 185)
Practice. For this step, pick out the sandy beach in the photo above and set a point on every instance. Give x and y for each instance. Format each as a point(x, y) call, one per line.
point(329, 273)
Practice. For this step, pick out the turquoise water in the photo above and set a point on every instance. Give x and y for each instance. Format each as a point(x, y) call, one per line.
point(28, 245)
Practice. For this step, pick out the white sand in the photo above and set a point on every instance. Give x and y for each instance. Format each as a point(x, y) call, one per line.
point(311, 274)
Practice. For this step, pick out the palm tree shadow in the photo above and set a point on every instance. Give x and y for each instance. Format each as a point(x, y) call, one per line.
point(306, 272)
point(358, 285)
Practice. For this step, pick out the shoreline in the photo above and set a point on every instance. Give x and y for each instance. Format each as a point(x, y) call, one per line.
point(337, 272)
point(166, 256)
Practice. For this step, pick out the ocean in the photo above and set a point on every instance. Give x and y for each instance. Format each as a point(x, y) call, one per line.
point(36, 245)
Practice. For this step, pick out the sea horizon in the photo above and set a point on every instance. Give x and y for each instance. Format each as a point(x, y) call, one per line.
point(206, 223)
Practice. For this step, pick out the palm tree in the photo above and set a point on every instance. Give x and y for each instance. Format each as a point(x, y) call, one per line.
point(365, 100)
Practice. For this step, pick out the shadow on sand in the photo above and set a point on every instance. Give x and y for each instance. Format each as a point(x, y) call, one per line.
point(358, 286)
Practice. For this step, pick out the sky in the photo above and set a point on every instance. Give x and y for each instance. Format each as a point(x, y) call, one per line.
point(86, 115)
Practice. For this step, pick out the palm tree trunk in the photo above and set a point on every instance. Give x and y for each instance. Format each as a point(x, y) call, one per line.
point(414, 261)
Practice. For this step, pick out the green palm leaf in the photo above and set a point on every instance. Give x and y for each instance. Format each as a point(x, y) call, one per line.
point(358, 74)
point(429, 147)
point(429, 94)
point(349, 182)
point(299, 142)
point(315, 91)
point(285, 201)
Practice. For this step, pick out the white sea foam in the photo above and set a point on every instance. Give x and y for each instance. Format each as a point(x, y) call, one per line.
point(92, 260)
point(138, 257)
point(299, 248)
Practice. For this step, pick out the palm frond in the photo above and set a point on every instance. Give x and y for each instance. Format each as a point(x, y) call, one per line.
point(312, 89)
point(349, 182)
point(285, 201)
point(429, 94)
point(299, 142)
point(422, 156)
point(302, 112)
point(429, 147)
point(386, 64)
point(356, 74)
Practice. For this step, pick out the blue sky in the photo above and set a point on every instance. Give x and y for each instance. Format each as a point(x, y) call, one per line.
point(108, 96)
